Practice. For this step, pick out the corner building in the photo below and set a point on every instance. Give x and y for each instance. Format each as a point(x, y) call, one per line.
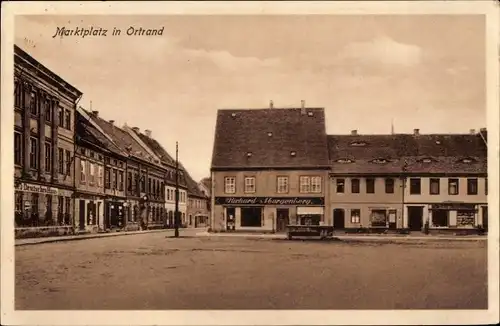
point(269, 169)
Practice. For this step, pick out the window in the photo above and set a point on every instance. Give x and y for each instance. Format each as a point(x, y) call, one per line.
point(129, 181)
point(149, 185)
point(48, 157)
point(143, 183)
point(355, 216)
point(471, 186)
point(136, 182)
point(355, 186)
point(60, 210)
point(60, 160)
point(34, 204)
point(115, 179)
point(32, 103)
point(389, 186)
point(18, 148)
point(67, 119)
point(249, 184)
point(48, 111)
point(316, 184)
point(68, 162)
point(121, 180)
point(452, 186)
point(162, 189)
point(100, 176)
point(67, 211)
point(18, 94)
point(434, 186)
point(18, 201)
point(92, 173)
point(33, 153)
point(83, 171)
point(282, 183)
point(229, 185)
point(340, 186)
point(415, 186)
point(370, 186)
point(60, 114)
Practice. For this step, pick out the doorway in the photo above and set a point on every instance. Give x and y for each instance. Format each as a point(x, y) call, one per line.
point(282, 215)
point(230, 218)
point(415, 218)
point(81, 213)
point(338, 219)
point(485, 217)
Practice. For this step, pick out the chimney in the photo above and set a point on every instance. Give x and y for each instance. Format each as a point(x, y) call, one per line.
point(112, 122)
point(303, 107)
point(95, 113)
point(148, 133)
point(136, 129)
point(472, 131)
point(482, 130)
point(416, 132)
point(354, 132)
point(271, 104)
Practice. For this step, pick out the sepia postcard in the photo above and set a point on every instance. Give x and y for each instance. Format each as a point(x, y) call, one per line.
point(250, 163)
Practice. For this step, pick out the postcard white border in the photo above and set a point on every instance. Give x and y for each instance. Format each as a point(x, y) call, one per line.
point(261, 317)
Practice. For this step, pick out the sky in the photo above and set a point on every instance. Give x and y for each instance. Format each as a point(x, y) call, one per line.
point(415, 71)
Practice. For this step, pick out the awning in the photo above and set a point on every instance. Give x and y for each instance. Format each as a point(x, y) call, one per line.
point(305, 210)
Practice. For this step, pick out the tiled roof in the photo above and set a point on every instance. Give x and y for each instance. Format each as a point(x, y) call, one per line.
point(242, 140)
point(381, 154)
point(121, 138)
point(207, 182)
point(86, 131)
point(192, 187)
point(157, 149)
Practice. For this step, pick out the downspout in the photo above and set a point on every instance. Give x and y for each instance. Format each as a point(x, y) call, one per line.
point(74, 163)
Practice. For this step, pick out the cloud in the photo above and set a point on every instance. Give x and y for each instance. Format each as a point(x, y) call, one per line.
point(382, 50)
point(227, 61)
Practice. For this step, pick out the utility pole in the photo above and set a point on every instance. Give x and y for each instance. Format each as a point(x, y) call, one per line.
point(176, 217)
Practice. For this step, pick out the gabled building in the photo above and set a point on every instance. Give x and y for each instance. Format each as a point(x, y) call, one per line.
point(168, 164)
point(44, 129)
point(269, 169)
point(198, 208)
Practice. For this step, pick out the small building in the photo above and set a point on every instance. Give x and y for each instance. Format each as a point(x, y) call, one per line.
point(366, 181)
point(44, 110)
point(197, 208)
point(269, 169)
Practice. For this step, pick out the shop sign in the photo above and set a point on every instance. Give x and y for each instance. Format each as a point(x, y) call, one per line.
point(454, 206)
point(299, 201)
point(36, 188)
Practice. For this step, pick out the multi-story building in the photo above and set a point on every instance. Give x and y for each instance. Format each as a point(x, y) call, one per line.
point(197, 208)
point(446, 181)
point(168, 164)
point(269, 168)
point(44, 109)
point(366, 181)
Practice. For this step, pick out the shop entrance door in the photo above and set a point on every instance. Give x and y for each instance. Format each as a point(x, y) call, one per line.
point(485, 217)
point(81, 215)
point(338, 219)
point(282, 215)
point(415, 218)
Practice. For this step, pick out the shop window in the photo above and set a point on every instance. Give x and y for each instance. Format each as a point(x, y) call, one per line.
point(83, 171)
point(434, 186)
point(389, 186)
point(249, 184)
point(33, 153)
point(282, 183)
point(370, 186)
point(340, 186)
point(355, 216)
point(67, 211)
point(18, 202)
point(471, 186)
point(378, 218)
point(415, 186)
point(355, 186)
point(34, 206)
point(251, 216)
point(453, 186)
point(18, 148)
point(60, 210)
point(465, 219)
point(440, 218)
point(48, 209)
point(230, 185)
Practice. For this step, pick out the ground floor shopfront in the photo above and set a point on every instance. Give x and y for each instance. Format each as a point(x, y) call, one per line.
point(366, 215)
point(446, 216)
point(41, 205)
point(89, 212)
point(266, 213)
